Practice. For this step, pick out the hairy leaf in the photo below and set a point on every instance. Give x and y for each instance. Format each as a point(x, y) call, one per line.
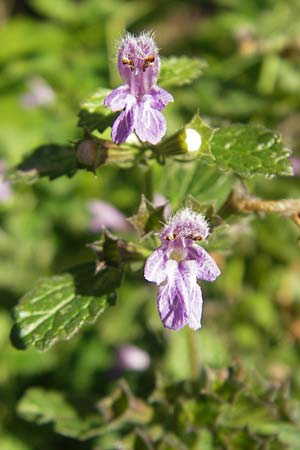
point(51, 161)
point(148, 218)
point(42, 406)
point(57, 307)
point(179, 71)
point(250, 150)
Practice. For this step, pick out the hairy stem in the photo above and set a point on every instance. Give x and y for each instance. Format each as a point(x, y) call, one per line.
point(242, 201)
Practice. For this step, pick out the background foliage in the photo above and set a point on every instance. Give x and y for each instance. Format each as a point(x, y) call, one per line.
point(243, 78)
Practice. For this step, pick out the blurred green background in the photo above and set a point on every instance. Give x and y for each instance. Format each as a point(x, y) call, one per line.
point(53, 54)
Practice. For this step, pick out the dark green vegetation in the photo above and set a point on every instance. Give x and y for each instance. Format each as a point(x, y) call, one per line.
point(234, 70)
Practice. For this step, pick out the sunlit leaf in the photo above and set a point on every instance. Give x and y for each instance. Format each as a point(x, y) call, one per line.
point(56, 308)
point(250, 150)
point(179, 71)
point(93, 114)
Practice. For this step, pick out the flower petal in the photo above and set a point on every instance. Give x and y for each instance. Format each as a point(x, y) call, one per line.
point(190, 291)
point(155, 266)
point(173, 297)
point(201, 263)
point(171, 310)
point(150, 124)
point(124, 124)
point(160, 98)
point(195, 307)
point(117, 99)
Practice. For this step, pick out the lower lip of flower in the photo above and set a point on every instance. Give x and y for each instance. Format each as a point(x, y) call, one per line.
point(178, 255)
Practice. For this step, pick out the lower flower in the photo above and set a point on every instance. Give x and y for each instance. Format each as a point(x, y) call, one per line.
point(177, 265)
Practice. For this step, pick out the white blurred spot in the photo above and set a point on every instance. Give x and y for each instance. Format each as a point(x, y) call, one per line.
point(134, 358)
point(132, 139)
point(193, 140)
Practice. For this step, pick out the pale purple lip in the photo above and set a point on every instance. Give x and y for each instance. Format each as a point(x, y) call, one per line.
point(140, 100)
point(176, 266)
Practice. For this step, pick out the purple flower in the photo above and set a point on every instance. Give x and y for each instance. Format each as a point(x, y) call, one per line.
point(140, 99)
point(39, 94)
point(175, 267)
point(104, 214)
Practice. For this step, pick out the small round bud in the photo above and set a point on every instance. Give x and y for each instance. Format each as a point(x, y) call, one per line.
point(89, 153)
point(193, 140)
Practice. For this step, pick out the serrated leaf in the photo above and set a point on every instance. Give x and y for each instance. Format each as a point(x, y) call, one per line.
point(148, 218)
point(41, 407)
point(121, 407)
point(288, 433)
point(50, 161)
point(57, 307)
point(246, 410)
point(93, 114)
point(179, 71)
point(113, 251)
point(250, 150)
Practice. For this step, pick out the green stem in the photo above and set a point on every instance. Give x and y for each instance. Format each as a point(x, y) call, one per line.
point(192, 351)
point(148, 184)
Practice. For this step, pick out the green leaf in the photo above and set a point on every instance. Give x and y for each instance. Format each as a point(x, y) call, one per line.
point(179, 71)
point(51, 161)
point(42, 407)
point(250, 150)
point(246, 410)
point(12, 442)
point(288, 433)
point(115, 252)
point(93, 114)
point(148, 218)
point(178, 181)
point(57, 307)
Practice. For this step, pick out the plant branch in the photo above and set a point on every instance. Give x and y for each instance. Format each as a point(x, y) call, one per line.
point(242, 201)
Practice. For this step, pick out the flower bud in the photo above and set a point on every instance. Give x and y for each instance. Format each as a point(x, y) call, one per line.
point(90, 153)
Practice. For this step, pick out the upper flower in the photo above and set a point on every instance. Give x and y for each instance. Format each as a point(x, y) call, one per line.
point(140, 99)
point(176, 265)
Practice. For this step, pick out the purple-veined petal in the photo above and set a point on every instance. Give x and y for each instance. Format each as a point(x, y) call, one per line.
point(160, 98)
point(195, 307)
point(190, 291)
point(201, 263)
point(124, 124)
point(171, 304)
point(117, 99)
point(155, 267)
point(179, 300)
point(150, 124)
